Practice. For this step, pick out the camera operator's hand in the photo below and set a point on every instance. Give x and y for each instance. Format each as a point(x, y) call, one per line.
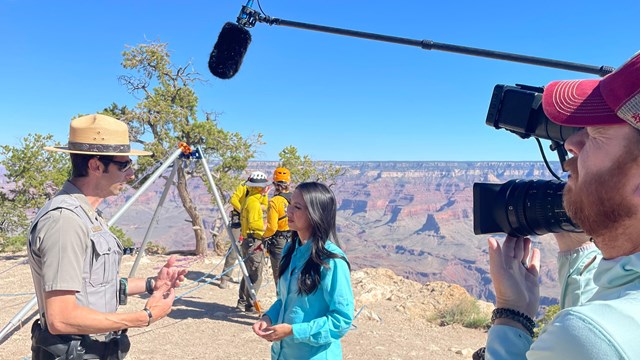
point(514, 279)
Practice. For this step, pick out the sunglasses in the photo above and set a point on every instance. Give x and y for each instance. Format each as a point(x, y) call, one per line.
point(122, 165)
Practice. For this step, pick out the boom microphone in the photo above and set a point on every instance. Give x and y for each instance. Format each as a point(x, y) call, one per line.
point(228, 52)
point(234, 39)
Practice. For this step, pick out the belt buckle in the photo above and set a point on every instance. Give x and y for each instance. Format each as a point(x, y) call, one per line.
point(105, 337)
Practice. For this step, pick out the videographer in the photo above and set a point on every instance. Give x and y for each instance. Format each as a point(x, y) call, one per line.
point(603, 196)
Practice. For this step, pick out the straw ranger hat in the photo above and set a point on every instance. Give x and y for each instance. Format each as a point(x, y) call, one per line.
point(98, 134)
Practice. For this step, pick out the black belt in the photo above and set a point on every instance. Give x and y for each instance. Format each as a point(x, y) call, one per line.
point(286, 234)
point(108, 336)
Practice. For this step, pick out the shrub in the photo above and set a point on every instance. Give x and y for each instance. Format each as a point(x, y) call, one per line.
point(12, 243)
point(18, 242)
point(155, 249)
point(465, 312)
point(549, 314)
point(126, 241)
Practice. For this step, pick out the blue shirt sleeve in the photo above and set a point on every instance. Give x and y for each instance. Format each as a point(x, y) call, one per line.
point(335, 285)
point(575, 273)
point(572, 335)
point(506, 342)
point(274, 311)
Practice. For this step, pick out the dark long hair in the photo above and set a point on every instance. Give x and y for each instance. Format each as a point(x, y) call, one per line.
point(321, 205)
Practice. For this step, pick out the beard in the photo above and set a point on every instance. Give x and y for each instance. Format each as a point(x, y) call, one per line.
point(599, 203)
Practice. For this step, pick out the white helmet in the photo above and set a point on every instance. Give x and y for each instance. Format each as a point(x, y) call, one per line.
point(257, 179)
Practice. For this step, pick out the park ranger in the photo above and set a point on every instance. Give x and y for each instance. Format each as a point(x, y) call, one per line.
point(75, 259)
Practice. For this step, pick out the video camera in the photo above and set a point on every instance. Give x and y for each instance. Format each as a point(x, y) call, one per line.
point(523, 207)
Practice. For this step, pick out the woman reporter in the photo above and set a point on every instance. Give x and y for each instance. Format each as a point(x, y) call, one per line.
point(314, 306)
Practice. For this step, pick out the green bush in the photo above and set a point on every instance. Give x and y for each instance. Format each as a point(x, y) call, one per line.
point(13, 226)
point(13, 243)
point(126, 241)
point(549, 314)
point(465, 312)
point(19, 242)
point(155, 249)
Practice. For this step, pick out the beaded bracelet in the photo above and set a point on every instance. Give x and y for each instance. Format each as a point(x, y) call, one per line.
point(515, 315)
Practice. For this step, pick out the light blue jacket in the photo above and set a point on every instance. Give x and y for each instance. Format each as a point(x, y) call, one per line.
point(602, 322)
point(320, 319)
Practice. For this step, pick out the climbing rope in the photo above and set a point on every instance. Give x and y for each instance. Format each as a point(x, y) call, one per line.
point(198, 284)
point(16, 294)
point(354, 326)
point(23, 262)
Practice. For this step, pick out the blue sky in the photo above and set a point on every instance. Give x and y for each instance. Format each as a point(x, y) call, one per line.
point(333, 97)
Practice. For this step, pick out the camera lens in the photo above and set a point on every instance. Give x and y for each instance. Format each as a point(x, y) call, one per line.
point(521, 208)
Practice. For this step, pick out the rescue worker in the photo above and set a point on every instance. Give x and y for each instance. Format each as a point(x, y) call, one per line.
point(277, 233)
point(251, 219)
point(236, 200)
point(75, 259)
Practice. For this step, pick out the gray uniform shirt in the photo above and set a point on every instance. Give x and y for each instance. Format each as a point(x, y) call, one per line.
point(71, 248)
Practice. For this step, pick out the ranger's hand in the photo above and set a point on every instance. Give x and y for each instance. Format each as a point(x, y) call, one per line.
point(169, 276)
point(160, 304)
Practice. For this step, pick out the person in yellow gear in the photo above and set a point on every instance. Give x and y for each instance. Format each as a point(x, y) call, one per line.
point(252, 229)
point(236, 200)
point(277, 233)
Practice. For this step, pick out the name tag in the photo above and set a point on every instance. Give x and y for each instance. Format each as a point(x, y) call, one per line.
point(96, 228)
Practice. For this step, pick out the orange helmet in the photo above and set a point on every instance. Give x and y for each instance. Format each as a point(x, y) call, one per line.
point(281, 175)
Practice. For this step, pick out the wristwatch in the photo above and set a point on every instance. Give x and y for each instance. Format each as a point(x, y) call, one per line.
point(149, 285)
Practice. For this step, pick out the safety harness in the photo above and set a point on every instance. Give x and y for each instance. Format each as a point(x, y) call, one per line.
point(286, 196)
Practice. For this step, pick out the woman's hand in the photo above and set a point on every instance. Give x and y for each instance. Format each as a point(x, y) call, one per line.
point(278, 332)
point(260, 325)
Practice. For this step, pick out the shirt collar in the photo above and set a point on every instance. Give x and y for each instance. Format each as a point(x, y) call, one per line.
point(70, 189)
point(617, 272)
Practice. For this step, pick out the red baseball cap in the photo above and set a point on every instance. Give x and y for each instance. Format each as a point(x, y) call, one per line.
point(612, 100)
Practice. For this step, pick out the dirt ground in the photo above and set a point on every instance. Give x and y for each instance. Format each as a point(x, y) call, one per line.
point(205, 324)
